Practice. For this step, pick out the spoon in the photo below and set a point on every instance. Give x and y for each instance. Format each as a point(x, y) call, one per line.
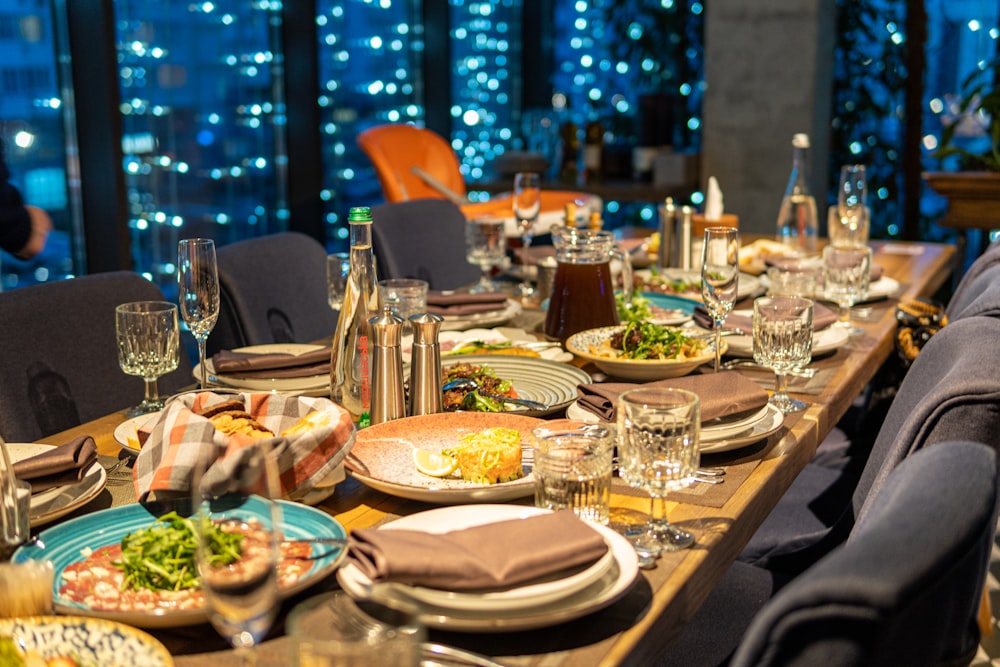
point(469, 383)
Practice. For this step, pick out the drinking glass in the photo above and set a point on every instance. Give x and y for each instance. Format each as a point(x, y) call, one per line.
point(241, 594)
point(852, 194)
point(338, 267)
point(846, 274)
point(848, 229)
point(658, 431)
point(198, 293)
point(527, 205)
point(573, 468)
point(782, 341)
point(720, 274)
point(485, 246)
point(149, 344)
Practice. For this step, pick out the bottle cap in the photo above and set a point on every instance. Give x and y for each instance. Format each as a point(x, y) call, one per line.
point(359, 214)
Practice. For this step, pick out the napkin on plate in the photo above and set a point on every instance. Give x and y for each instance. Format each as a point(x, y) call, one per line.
point(722, 394)
point(60, 465)
point(271, 365)
point(822, 318)
point(464, 303)
point(491, 556)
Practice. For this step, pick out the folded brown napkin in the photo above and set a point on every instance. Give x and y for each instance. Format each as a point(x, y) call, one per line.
point(271, 365)
point(60, 465)
point(464, 303)
point(492, 556)
point(822, 318)
point(722, 394)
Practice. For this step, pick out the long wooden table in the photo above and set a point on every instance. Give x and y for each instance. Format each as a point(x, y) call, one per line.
point(636, 627)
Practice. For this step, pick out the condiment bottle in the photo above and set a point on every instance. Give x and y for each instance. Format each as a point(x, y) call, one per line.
point(387, 370)
point(668, 242)
point(426, 396)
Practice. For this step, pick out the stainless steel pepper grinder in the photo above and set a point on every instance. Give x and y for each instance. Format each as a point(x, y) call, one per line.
point(425, 365)
point(387, 370)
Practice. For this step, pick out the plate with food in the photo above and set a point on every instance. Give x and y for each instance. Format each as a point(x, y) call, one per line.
point(499, 340)
point(448, 457)
point(551, 384)
point(686, 283)
point(665, 309)
point(643, 351)
point(51, 504)
point(84, 550)
point(41, 641)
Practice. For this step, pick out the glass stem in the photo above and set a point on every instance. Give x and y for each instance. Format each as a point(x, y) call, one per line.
point(780, 383)
point(844, 316)
point(658, 511)
point(718, 343)
point(152, 391)
point(201, 358)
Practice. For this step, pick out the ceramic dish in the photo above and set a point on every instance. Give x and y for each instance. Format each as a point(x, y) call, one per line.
point(607, 589)
point(825, 340)
point(551, 383)
point(55, 503)
point(490, 318)
point(382, 457)
point(284, 385)
point(64, 543)
point(89, 641)
point(640, 370)
point(670, 310)
point(126, 433)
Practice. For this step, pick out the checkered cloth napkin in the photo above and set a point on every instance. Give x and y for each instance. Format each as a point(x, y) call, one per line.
point(182, 441)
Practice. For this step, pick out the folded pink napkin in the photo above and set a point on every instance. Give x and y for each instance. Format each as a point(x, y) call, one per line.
point(60, 465)
point(488, 557)
point(722, 394)
point(271, 365)
point(822, 318)
point(464, 303)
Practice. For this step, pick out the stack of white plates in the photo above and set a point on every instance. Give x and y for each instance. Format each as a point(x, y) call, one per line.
point(309, 385)
point(534, 605)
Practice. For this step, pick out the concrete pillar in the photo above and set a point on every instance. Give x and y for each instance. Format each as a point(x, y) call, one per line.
point(769, 74)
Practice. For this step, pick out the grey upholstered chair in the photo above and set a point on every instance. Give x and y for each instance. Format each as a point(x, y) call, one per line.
point(59, 357)
point(905, 587)
point(980, 296)
point(272, 290)
point(422, 238)
point(971, 285)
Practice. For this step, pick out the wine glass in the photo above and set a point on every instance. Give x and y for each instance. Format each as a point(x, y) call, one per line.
point(658, 431)
point(338, 267)
point(238, 502)
point(485, 246)
point(149, 346)
point(782, 341)
point(846, 274)
point(852, 194)
point(198, 292)
point(720, 274)
point(527, 205)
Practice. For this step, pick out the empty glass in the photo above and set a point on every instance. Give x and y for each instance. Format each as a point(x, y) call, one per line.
point(198, 293)
point(148, 346)
point(486, 247)
point(782, 341)
point(848, 229)
point(573, 468)
point(527, 206)
point(852, 193)
point(846, 275)
point(404, 296)
point(338, 267)
point(720, 275)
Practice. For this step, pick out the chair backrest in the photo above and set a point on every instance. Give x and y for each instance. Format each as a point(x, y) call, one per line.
point(970, 285)
point(59, 357)
point(272, 290)
point(979, 296)
point(422, 238)
point(395, 150)
point(905, 587)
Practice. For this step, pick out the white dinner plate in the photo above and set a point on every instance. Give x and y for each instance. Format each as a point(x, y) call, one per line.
point(284, 385)
point(55, 503)
point(724, 427)
point(763, 428)
point(126, 433)
point(614, 583)
point(490, 318)
point(825, 340)
point(882, 288)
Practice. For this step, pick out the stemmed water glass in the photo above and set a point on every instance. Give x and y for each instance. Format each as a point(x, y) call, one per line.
point(338, 268)
point(658, 433)
point(782, 341)
point(240, 584)
point(848, 222)
point(527, 205)
point(846, 275)
point(148, 346)
point(485, 246)
point(198, 293)
point(720, 274)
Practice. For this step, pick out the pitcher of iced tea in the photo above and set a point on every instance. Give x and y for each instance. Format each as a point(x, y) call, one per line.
point(583, 292)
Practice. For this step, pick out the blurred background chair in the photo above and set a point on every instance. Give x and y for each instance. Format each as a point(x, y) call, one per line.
point(59, 357)
point(972, 281)
point(422, 238)
point(272, 290)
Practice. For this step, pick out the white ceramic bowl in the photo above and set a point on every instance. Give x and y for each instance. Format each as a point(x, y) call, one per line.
point(640, 370)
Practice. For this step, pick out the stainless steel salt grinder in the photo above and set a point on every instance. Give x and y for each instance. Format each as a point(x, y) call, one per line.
point(668, 242)
point(387, 369)
point(684, 247)
point(425, 365)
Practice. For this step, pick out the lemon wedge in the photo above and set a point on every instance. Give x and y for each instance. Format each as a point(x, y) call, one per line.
point(434, 464)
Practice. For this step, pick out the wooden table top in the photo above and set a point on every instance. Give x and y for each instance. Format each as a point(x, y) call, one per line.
point(651, 613)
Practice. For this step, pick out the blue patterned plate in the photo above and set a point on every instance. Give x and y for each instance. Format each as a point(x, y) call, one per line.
point(90, 641)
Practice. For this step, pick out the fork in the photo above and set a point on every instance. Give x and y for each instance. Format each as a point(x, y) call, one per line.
point(749, 363)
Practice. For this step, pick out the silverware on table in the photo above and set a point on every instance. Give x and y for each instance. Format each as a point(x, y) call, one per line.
point(750, 363)
point(441, 654)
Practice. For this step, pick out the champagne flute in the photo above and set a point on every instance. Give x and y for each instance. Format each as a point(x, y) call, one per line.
point(338, 267)
point(782, 341)
point(198, 293)
point(240, 583)
point(720, 275)
point(846, 275)
point(852, 194)
point(149, 346)
point(658, 432)
point(485, 246)
point(527, 205)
